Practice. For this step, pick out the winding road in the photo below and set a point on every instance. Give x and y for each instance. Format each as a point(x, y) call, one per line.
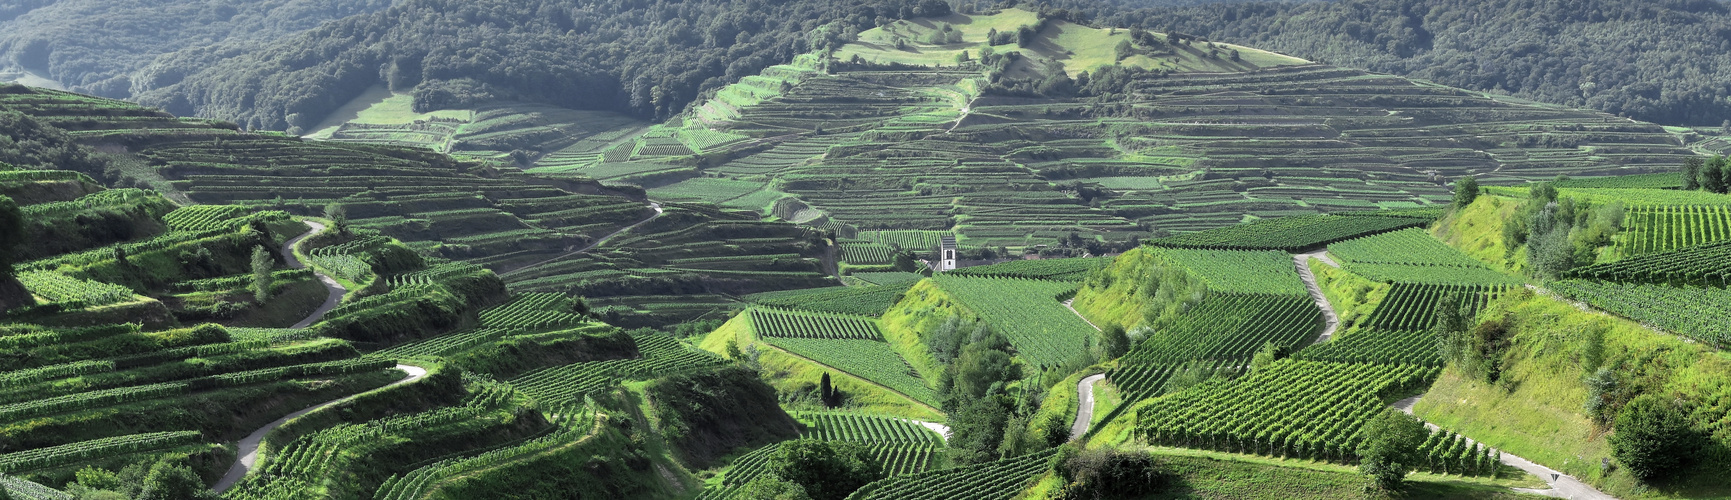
point(334, 291)
point(652, 205)
point(248, 449)
point(1331, 320)
point(1084, 404)
point(1562, 485)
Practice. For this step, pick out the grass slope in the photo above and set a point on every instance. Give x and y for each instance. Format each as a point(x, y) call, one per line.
point(1536, 411)
point(791, 374)
point(1079, 48)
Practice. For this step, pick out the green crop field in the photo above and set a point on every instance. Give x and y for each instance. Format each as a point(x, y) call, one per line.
point(1027, 312)
point(870, 359)
point(723, 282)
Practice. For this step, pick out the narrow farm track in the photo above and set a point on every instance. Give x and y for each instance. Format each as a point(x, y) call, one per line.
point(652, 205)
point(1084, 404)
point(334, 291)
point(1070, 304)
point(1562, 485)
point(1330, 320)
point(248, 449)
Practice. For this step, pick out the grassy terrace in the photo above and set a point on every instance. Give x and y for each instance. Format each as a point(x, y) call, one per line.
point(1198, 143)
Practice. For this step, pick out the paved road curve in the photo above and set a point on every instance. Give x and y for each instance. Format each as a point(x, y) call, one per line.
point(334, 291)
point(1084, 404)
point(1562, 485)
point(249, 446)
point(1302, 260)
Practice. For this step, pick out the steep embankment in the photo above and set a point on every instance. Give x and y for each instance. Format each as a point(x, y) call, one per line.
point(1538, 405)
point(923, 311)
point(1477, 230)
point(1118, 294)
point(1541, 356)
point(792, 374)
point(707, 415)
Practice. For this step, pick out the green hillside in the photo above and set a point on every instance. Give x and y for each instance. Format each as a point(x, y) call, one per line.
point(1182, 268)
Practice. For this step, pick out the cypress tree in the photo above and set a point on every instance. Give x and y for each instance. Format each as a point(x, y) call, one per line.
point(825, 392)
point(261, 273)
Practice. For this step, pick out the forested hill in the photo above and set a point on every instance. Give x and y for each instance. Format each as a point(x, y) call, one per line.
point(645, 57)
point(107, 47)
point(1663, 61)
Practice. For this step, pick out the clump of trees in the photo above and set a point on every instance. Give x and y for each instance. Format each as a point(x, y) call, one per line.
point(1711, 175)
point(1109, 473)
point(1653, 438)
point(1390, 448)
point(816, 470)
point(1561, 233)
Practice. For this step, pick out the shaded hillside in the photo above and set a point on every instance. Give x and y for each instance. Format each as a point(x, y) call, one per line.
point(107, 48)
point(1659, 61)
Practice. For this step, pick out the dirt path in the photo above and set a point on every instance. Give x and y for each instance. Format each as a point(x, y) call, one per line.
point(604, 239)
point(334, 291)
point(1331, 321)
point(1562, 485)
point(1084, 404)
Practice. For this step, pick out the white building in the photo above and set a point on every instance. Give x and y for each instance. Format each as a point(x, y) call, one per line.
point(947, 254)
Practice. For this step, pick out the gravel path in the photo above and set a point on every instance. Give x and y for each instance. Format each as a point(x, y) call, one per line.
point(334, 291)
point(1562, 485)
point(1332, 321)
point(1084, 404)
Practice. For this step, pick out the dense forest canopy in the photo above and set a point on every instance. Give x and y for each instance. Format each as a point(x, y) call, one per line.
point(102, 46)
point(645, 57)
point(1665, 61)
point(1662, 61)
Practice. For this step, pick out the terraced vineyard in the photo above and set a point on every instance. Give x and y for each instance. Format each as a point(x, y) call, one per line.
point(862, 301)
point(1237, 271)
point(1411, 306)
point(787, 324)
point(565, 386)
point(1375, 345)
point(1231, 327)
point(532, 311)
point(1700, 313)
point(1292, 409)
point(1073, 269)
point(1290, 234)
point(1027, 312)
point(1654, 228)
point(872, 360)
point(900, 446)
point(1701, 265)
point(1003, 479)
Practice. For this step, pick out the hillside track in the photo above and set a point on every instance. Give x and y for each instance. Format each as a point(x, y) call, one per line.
point(1330, 319)
point(1084, 405)
point(248, 447)
point(652, 205)
point(1562, 485)
point(333, 291)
